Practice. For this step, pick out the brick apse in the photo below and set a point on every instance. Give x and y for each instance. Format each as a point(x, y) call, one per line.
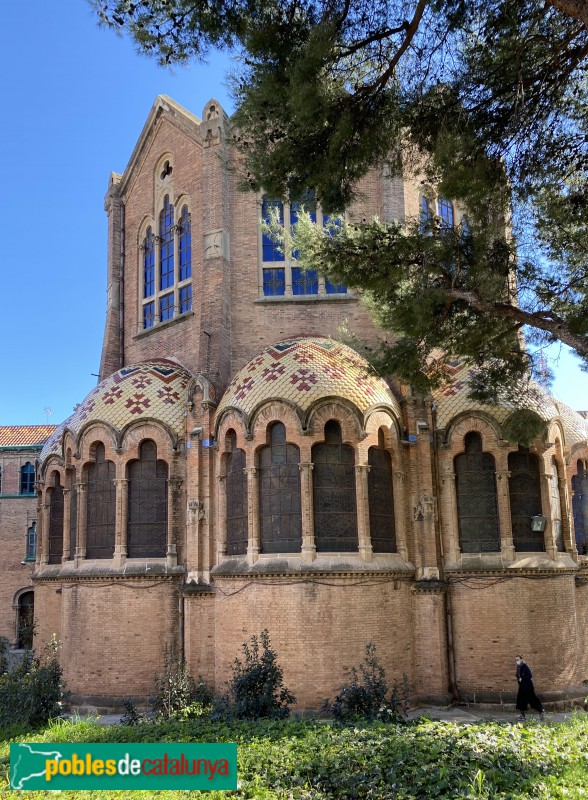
point(238, 467)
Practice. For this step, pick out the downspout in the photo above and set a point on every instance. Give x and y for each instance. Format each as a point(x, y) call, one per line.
point(453, 687)
point(181, 644)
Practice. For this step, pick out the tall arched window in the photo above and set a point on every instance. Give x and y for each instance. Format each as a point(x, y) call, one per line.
point(525, 500)
point(555, 503)
point(25, 621)
point(101, 506)
point(335, 511)
point(236, 480)
point(73, 512)
point(166, 260)
point(279, 494)
point(56, 521)
point(445, 212)
point(185, 261)
point(27, 479)
point(381, 498)
point(580, 506)
point(148, 279)
point(147, 506)
point(31, 553)
point(477, 509)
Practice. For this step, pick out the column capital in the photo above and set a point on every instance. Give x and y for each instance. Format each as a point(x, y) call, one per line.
point(305, 466)
point(359, 468)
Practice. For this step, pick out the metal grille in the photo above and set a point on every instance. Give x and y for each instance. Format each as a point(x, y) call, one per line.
point(525, 501)
point(279, 495)
point(477, 508)
point(147, 522)
point(73, 516)
point(580, 507)
point(56, 523)
point(335, 511)
point(101, 507)
point(381, 501)
point(237, 531)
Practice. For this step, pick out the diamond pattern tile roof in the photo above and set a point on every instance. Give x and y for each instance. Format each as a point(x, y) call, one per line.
point(150, 390)
point(24, 435)
point(453, 399)
point(303, 370)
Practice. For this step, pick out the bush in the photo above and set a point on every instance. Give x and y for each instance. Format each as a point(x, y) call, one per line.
point(364, 695)
point(176, 693)
point(33, 692)
point(257, 687)
point(3, 655)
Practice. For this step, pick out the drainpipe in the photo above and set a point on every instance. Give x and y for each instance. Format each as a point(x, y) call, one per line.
point(181, 646)
point(453, 687)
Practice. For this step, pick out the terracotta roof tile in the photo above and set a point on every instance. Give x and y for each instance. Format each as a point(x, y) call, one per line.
point(24, 435)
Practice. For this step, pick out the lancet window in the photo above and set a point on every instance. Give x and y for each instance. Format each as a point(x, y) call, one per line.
point(580, 506)
point(477, 507)
point(279, 501)
point(236, 489)
point(147, 504)
point(56, 521)
point(525, 500)
point(381, 499)
point(73, 512)
point(101, 503)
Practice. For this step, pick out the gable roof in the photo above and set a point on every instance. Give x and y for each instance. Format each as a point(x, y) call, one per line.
point(25, 435)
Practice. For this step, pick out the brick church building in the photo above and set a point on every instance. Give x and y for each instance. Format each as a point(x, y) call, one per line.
point(237, 468)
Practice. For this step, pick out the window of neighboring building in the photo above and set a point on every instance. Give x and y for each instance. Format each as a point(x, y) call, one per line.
point(335, 510)
point(580, 506)
point(236, 491)
point(281, 276)
point(279, 494)
point(525, 500)
point(101, 505)
point(147, 506)
point(56, 521)
point(167, 267)
point(0, 480)
point(27, 479)
point(381, 499)
point(477, 506)
point(31, 548)
point(25, 621)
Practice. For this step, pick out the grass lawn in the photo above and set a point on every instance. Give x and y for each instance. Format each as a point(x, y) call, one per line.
point(316, 760)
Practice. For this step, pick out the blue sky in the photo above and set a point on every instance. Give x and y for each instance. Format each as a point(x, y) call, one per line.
point(75, 98)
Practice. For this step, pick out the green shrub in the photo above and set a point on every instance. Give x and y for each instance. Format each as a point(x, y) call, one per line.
point(3, 655)
point(257, 688)
point(177, 694)
point(33, 692)
point(364, 695)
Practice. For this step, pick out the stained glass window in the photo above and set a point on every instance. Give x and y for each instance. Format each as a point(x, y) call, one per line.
point(56, 521)
point(525, 500)
point(270, 249)
point(335, 511)
point(477, 508)
point(101, 506)
point(580, 506)
point(166, 245)
point(148, 265)
point(73, 513)
point(185, 245)
point(425, 216)
point(149, 315)
point(185, 299)
point(279, 494)
point(445, 212)
point(147, 507)
point(274, 282)
point(237, 536)
point(381, 500)
point(304, 281)
point(166, 307)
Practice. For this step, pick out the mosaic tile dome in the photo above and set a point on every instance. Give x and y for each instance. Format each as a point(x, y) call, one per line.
point(302, 371)
point(150, 390)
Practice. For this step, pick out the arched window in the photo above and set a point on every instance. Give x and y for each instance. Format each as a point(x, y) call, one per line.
point(445, 213)
point(185, 261)
point(56, 520)
point(279, 494)
point(555, 503)
point(335, 511)
point(101, 506)
point(580, 506)
point(73, 512)
point(0, 480)
point(147, 507)
point(477, 509)
point(236, 479)
point(381, 498)
point(27, 479)
point(525, 500)
point(166, 260)
point(425, 215)
point(31, 553)
point(25, 621)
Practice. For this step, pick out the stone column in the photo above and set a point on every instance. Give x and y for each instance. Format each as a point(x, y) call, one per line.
point(549, 536)
point(173, 496)
point(121, 521)
point(363, 511)
point(399, 490)
point(307, 508)
point(504, 519)
point(253, 547)
point(82, 522)
point(66, 523)
point(449, 521)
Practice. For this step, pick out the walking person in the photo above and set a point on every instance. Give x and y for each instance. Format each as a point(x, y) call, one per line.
point(526, 695)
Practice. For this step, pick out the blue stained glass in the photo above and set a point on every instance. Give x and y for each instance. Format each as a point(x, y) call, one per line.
point(270, 249)
point(445, 212)
point(166, 234)
point(335, 288)
point(166, 307)
point(308, 205)
point(185, 299)
point(425, 217)
point(27, 479)
point(274, 282)
point(148, 315)
point(148, 265)
point(185, 245)
point(304, 281)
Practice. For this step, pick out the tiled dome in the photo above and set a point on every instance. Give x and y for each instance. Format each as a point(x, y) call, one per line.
point(150, 390)
point(302, 371)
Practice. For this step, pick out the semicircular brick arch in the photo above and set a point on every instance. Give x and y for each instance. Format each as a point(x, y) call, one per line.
point(485, 426)
point(351, 427)
point(274, 411)
point(137, 433)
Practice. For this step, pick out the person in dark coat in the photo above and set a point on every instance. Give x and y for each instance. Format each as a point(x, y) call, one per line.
point(526, 695)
